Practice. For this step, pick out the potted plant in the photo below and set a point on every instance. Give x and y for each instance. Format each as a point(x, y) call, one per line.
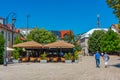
point(76, 57)
point(68, 57)
point(43, 58)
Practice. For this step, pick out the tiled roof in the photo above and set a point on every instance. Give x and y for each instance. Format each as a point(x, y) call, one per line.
point(59, 44)
point(115, 26)
point(29, 44)
point(8, 27)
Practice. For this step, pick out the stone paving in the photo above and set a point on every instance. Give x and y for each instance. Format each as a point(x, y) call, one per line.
point(84, 70)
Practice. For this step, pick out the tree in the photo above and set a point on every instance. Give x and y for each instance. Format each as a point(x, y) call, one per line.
point(110, 42)
point(94, 40)
point(2, 42)
point(17, 40)
point(16, 52)
point(41, 36)
point(69, 37)
point(115, 4)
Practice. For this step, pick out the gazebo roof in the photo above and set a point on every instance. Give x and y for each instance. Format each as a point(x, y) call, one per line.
point(59, 44)
point(29, 44)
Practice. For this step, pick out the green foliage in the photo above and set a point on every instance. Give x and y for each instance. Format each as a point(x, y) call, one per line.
point(68, 56)
point(41, 36)
point(104, 41)
point(76, 56)
point(77, 44)
point(110, 42)
point(77, 47)
point(94, 40)
point(17, 40)
point(17, 50)
point(16, 53)
point(44, 56)
point(2, 41)
point(69, 37)
point(115, 4)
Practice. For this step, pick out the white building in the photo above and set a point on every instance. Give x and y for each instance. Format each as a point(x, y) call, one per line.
point(9, 34)
point(25, 31)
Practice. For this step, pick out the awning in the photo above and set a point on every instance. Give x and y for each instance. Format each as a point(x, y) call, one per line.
point(29, 44)
point(9, 49)
point(59, 44)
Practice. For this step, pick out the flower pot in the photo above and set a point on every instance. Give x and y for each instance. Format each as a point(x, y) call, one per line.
point(43, 61)
point(15, 61)
point(76, 61)
point(68, 61)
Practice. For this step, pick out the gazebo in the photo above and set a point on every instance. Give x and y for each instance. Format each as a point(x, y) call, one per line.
point(32, 50)
point(59, 48)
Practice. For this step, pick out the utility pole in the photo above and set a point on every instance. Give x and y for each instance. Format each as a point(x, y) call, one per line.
point(98, 21)
point(27, 24)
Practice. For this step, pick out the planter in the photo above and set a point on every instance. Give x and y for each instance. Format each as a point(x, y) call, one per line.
point(15, 61)
point(76, 61)
point(43, 61)
point(68, 61)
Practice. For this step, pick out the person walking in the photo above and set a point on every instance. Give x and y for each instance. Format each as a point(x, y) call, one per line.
point(97, 58)
point(102, 54)
point(106, 59)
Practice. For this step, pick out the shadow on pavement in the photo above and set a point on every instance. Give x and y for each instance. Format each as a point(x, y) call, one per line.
point(118, 59)
point(116, 65)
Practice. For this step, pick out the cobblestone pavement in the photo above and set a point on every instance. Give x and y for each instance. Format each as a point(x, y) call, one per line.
point(84, 70)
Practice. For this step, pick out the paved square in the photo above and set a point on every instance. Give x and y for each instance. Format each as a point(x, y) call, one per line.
point(84, 70)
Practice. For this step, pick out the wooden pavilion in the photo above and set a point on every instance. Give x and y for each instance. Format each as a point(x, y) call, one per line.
point(33, 50)
point(58, 47)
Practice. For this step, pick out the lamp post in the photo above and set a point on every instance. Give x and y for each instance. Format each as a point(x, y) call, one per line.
point(13, 15)
point(98, 20)
point(13, 22)
point(27, 24)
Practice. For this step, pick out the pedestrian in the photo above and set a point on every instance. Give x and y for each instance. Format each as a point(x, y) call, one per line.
point(102, 54)
point(61, 54)
point(106, 59)
point(97, 58)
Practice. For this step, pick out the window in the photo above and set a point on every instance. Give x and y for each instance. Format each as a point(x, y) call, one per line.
point(2, 32)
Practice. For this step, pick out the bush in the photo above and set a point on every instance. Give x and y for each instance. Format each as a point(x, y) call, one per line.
point(16, 54)
point(1, 55)
point(2, 41)
point(76, 56)
point(68, 56)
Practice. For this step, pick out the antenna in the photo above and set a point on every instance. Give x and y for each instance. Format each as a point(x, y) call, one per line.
point(98, 20)
point(27, 24)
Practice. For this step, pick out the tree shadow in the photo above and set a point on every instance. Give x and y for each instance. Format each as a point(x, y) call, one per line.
point(116, 65)
point(118, 59)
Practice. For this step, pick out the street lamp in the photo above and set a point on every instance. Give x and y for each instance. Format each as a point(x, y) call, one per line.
point(13, 15)
point(98, 20)
point(13, 22)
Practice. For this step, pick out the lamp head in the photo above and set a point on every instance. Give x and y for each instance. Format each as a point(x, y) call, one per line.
point(13, 20)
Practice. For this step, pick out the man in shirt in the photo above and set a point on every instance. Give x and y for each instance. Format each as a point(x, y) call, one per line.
point(97, 58)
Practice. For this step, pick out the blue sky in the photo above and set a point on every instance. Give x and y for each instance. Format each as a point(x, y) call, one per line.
point(76, 15)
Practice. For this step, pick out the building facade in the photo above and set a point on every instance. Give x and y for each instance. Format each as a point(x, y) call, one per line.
point(9, 33)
